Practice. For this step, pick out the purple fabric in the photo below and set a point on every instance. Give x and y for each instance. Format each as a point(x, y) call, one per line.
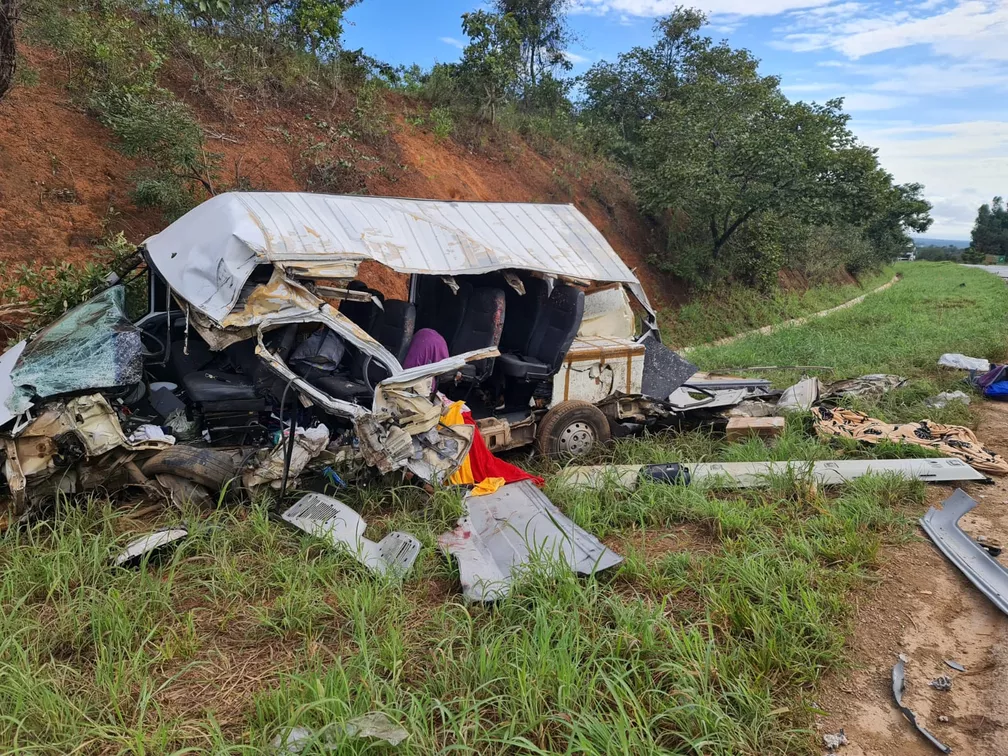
point(428, 346)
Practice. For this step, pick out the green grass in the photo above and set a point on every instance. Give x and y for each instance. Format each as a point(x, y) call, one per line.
point(737, 309)
point(936, 308)
point(711, 637)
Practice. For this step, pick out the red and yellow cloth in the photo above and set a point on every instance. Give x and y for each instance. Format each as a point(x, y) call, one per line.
point(481, 469)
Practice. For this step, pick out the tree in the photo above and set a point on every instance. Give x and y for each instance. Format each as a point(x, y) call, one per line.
point(544, 34)
point(990, 231)
point(8, 50)
point(489, 67)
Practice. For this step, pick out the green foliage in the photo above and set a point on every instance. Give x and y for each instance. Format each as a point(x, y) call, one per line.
point(935, 253)
point(441, 122)
point(718, 153)
point(990, 232)
point(489, 67)
point(544, 35)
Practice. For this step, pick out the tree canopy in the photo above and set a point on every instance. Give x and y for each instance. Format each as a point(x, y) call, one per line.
point(990, 231)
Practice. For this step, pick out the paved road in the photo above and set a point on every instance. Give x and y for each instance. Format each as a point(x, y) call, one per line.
point(997, 270)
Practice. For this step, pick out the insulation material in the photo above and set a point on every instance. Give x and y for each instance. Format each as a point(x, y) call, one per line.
point(607, 312)
point(93, 346)
point(949, 440)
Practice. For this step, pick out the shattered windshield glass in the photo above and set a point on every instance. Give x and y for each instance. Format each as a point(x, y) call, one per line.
point(91, 347)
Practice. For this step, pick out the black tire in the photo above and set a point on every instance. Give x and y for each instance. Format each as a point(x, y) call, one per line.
point(207, 467)
point(571, 429)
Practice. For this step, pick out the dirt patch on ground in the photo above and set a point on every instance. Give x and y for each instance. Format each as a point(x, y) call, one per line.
point(924, 607)
point(63, 185)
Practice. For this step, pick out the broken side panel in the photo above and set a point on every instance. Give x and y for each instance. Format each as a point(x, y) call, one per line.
point(664, 369)
point(94, 346)
point(507, 530)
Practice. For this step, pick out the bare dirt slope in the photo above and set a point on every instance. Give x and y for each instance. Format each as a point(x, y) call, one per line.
point(64, 186)
point(924, 607)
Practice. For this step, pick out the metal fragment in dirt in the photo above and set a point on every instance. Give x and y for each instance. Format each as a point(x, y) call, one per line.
point(898, 684)
point(979, 567)
point(507, 530)
point(136, 549)
point(833, 740)
point(331, 520)
point(955, 665)
point(943, 683)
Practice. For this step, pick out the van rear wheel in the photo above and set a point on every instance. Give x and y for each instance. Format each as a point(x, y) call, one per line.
point(571, 429)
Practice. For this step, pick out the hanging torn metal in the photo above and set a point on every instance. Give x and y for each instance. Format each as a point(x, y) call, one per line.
point(504, 532)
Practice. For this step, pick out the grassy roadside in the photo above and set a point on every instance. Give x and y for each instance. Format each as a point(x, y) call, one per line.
point(710, 638)
point(738, 309)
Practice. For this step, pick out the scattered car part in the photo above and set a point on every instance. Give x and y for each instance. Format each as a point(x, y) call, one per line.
point(7, 388)
point(741, 428)
point(991, 545)
point(868, 387)
point(726, 382)
point(278, 464)
point(755, 474)
point(955, 665)
point(182, 491)
point(962, 362)
point(801, 396)
point(331, 520)
point(833, 740)
point(979, 567)
point(506, 530)
point(571, 429)
point(147, 545)
point(942, 683)
point(948, 440)
point(212, 468)
point(945, 397)
point(898, 684)
point(689, 397)
point(374, 724)
point(664, 369)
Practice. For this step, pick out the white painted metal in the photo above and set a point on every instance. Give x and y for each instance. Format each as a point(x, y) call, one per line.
point(597, 366)
point(7, 362)
point(755, 474)
point(209, 253)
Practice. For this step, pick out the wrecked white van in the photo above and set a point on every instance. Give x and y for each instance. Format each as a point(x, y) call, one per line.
point(257, 323)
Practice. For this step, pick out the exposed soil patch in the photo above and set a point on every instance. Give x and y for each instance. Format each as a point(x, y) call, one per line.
point(925, 608)
point(62, 183)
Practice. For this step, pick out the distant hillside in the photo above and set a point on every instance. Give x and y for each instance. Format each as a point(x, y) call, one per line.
point(927, 241)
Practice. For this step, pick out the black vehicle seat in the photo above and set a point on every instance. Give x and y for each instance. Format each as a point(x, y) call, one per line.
point(552, 336)
point(440, 308)
point(480, 327)
point(361, 313)
point(522, 312)
point(394, 331)
point(205, 386)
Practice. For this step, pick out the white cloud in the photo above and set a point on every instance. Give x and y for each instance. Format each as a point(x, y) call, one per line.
point(967, 28)
point(653, 8)
point(575, 58)
point(453, 42)
point(960, 164)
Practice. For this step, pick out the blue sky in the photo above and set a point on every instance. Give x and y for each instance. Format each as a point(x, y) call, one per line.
point(926, 82)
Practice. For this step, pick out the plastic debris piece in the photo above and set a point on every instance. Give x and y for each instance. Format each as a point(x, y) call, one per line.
point(946, 397)
point(801, 396)
point(377, 724)
point(943, 683)
point(833, 740)
point(898, 684)
point(955, 665)
point(136, 549)
point(333, 521)
point(374, 724)
point(962, 362)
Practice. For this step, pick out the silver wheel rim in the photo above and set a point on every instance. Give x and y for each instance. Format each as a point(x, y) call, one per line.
point(576, 439)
